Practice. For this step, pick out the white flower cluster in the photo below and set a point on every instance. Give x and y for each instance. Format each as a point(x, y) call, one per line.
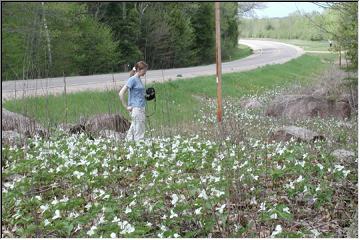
point(340, 168)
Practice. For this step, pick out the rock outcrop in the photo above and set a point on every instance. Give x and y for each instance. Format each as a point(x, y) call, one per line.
point(299, 134)
point(307, 106)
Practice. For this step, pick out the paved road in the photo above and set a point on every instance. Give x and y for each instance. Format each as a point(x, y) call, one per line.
point(265, 52)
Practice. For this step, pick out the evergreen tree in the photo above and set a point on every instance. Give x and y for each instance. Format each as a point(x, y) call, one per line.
point(204, 28)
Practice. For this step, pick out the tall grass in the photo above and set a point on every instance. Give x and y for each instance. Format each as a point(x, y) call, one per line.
point(177, 101)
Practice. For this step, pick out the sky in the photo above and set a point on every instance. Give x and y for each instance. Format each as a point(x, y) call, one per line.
point(283, 9)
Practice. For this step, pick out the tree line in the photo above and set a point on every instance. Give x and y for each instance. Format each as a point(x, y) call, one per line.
point(294, 26)
point(55, 39)
point(338, 23)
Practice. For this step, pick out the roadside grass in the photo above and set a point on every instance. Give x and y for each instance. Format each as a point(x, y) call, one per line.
point(177, 101)
point(241, 51)
point(307, 45)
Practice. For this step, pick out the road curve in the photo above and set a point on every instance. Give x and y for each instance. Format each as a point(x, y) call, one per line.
point(264, 52)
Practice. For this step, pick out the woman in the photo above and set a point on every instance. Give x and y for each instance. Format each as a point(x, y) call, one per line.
point(136, 101)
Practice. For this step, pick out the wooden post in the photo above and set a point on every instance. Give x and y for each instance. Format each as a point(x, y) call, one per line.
point(218, 61)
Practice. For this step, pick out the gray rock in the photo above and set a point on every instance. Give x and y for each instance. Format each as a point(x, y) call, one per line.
point(11, 121)
point(113, 122)
point(250, 103)
point(307, 106)
point(343, 155)
point(299, 134)
point(12, 138)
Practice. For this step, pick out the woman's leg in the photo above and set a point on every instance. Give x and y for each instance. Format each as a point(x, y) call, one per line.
point(139, 124)
point(130, 133)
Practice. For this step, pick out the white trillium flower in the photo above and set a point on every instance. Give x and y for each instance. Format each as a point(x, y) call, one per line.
point(242, 165)
point(217, 192)
point(173, 214)
point(262, 207)
point(91, 231)
point(65, 199)
point(287, 210)
point(128, 210)
point(127, 228)
point(78, 174)
point(174, 199)
point(155, 174)
point(198, 211)
point(44, 208)
point(255, 177)
point(163, 228)
point(17, 214)
point(95, 172)
point(320, 166)
point(88, 206)
point(203, 195)
point(281, 151)
point(346, 172)
point(253, 201)
point(46, 222)
point(339, 167)
point(116, 219)
point(315, 232)
point(176, 235)
point(300, 179)
point(273, 216)
point(57, 215)
point(132, 203)
point(290, 185)
point(221, 209)
point(102, 220)
point(55, 201)
point(113, 235)
point(17, 202)
point(278, 230)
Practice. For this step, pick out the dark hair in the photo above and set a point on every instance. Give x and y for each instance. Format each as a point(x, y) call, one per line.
point(138, 66)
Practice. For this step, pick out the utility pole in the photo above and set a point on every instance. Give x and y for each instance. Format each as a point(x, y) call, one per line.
point(47, 33)
point(218, 61)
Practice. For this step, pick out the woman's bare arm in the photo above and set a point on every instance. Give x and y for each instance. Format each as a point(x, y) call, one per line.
point(121, 95)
